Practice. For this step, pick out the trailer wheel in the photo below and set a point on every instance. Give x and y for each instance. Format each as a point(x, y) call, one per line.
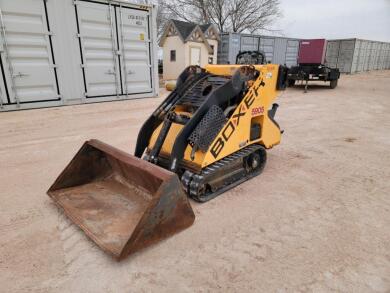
point(333, 83)
point(291, 82)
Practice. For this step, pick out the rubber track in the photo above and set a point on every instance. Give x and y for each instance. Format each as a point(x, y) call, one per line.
point(192, 181)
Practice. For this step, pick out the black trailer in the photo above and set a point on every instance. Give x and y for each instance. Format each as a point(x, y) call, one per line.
point(310, 72)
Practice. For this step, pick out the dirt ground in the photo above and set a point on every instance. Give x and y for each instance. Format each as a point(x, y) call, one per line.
point(316, 220)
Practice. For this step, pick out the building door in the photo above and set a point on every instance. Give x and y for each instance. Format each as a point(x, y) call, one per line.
point(195, 56)
point(27, 58)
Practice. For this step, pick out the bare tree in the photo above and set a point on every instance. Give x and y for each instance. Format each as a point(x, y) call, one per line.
point(228, 15)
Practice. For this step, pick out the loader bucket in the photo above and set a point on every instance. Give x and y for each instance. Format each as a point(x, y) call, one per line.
point(121, 202)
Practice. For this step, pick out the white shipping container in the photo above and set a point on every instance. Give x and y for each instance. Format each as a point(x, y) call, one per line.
point(56, 52)
point(277, 50)
point(356, 55)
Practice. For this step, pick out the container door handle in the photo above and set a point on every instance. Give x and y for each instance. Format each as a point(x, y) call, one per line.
point(110, 72)
point(19, 74)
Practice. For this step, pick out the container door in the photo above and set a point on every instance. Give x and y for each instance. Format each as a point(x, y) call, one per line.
point(223, 49)
point(195, 56)
point(234, 47)
point(292, 52)
point(372, 56)
point(99, 49)
point(368, 56)
point(249, 43)
point(27, 57)
point(280, 50)
point(347, 48)
point(267, 45)
point(332, 53)
point(362, 55)
point(135, 49)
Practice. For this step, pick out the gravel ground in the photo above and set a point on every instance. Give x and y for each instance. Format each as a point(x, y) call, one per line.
point(316, 220)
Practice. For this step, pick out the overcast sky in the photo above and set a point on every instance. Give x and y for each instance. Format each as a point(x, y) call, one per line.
point(334, 19)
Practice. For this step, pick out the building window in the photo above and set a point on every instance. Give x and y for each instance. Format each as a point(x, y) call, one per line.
point(212, 49)
point(211, 60)
point(173, 55)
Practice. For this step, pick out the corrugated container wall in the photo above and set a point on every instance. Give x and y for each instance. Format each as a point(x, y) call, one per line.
point(277, 49)
point(356, 55)
point(56, 52)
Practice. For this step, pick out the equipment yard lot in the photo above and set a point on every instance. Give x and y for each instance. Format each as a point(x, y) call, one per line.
point(317, 219)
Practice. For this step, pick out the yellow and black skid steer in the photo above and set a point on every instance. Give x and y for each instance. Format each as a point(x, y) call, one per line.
point(209, 135)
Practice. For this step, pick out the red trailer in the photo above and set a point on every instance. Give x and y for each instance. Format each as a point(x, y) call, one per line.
point(311, 60)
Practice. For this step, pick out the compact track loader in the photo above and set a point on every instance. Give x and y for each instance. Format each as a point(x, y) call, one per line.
point(209, 135)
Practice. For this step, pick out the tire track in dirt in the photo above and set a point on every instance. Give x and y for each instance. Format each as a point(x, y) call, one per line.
point(81, 259)
point(79, 251)
point(20, 221)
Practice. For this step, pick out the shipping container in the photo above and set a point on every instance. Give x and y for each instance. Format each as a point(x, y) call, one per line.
point(278, 50)
point(56, 52)
point(357, 55)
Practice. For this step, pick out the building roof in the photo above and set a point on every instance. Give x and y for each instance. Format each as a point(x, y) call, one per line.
point(185, 29)
point(204, 27)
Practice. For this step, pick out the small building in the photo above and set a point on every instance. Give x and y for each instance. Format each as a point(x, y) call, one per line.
point(186, 44)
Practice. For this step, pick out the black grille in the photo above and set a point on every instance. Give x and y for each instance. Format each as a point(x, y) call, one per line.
point(207, 129)
point(198, 93)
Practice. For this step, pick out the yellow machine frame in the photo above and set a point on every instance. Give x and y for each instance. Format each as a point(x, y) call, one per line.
point(235, 134)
